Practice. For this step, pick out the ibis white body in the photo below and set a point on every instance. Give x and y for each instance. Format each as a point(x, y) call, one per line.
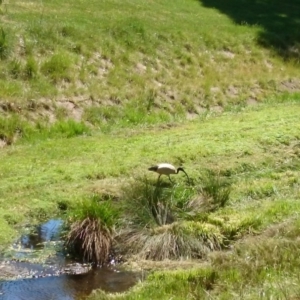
point(166, 169)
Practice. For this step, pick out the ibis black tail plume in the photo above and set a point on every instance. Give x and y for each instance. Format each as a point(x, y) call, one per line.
point(154, 168)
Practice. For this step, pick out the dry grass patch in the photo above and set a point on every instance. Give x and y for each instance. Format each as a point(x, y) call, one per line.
point(174, 241)
point(91, 240)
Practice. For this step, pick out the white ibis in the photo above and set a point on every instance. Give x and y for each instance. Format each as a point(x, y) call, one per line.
point(167, 169)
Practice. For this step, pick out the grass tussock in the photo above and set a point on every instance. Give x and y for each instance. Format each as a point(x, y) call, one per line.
point(148, 204)
point(179, 240)
point(213, 193)
point(3, 44)
point(91, 227)
point(58, 67)
point(65, 128)
point(91, 240)
point(215, 190)
point(160, 223)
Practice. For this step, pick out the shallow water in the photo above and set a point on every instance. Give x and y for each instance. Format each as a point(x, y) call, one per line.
point(32, 281)
point(46, 232)
point(67, 287)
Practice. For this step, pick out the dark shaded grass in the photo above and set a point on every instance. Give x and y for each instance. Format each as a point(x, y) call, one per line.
point(148, 203)
point(279, 22)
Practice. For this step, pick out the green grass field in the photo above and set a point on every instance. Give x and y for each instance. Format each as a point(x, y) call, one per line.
point(92, 93)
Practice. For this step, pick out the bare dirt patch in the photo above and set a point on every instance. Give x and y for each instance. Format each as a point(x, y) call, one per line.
point(2, 143)
point(227, 54)
point(140, 68)
point(217, 108)
point(71, 108)
point(232, 91)
point(291, 85)
point(251, 101)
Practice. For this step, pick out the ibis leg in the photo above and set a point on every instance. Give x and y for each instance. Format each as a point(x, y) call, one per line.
point(170, 179)
point(158, 178)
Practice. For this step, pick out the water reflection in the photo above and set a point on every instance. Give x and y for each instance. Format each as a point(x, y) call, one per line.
point(46, 232)
point(67, 287)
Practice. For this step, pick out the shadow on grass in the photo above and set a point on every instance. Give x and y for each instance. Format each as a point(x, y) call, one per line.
point(280, 22)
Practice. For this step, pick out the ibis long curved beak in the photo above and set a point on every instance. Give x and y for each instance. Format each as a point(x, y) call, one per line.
point(186, 175)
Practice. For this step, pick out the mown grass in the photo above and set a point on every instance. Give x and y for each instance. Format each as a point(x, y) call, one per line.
point(166, 60)
point(41, 175)
point(259, 161)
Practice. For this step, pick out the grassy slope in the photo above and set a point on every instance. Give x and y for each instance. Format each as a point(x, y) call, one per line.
point(149, 55)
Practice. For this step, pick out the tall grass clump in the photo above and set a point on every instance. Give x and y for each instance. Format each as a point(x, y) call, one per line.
point(130, 32)
point(60, 129)
point(92, 224)
point(132, 114)
point(103, 116)
point(3, 44)
point(58, 67)
point(15, 68)
point(67, 129)
point(31, 68)
point(148, 204)
point(13, 127)
point(214, 191)
point(156, 226)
